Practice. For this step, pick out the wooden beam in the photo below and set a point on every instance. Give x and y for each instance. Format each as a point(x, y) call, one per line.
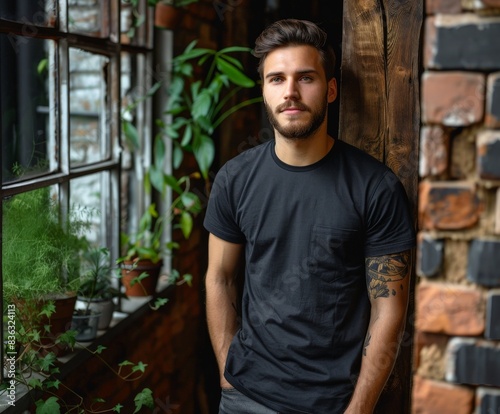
point(379, 113)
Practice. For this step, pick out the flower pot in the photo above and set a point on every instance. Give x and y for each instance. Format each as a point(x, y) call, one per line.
point(59, 321)
point(167, 16)
point(85, 325)
point(105, 307)
point(131, 270)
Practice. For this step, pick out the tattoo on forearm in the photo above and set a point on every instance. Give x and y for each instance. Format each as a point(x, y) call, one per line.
point(381, 270)
point(367, 342)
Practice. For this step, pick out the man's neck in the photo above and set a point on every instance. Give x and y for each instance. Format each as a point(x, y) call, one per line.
point(303, 152)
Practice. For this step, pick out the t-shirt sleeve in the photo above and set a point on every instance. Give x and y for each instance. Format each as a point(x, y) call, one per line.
point(390, 227)
point(220, 218)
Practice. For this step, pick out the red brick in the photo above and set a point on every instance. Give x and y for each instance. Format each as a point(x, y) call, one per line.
point(449, 309)
point(434, 148)
point(452, 98)
point(448, 205)
point(434, 397)
point(443, 6)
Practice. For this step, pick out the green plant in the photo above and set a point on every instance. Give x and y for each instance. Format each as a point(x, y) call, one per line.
point(38, 372)
point(40, 251)
point(200, 101)
point(96, 279)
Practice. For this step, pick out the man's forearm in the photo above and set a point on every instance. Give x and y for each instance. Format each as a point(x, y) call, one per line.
point(379, 354)
point(222, 318)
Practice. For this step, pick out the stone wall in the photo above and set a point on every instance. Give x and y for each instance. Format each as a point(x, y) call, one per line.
point(457, 321)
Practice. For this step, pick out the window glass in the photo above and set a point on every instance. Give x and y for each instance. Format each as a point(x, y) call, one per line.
point(39, 13)
point(89, 124)
point(92, 191)
point(27, 107)
point(89, 17)
point(135, 22)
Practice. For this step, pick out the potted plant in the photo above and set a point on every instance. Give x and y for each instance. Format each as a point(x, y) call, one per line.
point(198, 103)
point(97, 292)
point(41, 263)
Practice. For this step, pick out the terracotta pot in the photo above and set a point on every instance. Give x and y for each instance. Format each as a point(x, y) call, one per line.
point(132, 269)
point(167, 16)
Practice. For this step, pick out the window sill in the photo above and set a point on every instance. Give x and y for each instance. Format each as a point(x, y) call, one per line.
point(131, 312)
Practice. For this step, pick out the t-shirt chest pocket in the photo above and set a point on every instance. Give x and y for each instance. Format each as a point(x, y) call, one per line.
point(335, 252)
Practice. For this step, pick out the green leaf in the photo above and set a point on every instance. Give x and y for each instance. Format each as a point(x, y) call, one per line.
point(173, 183)
point(178, 156)
point(202, 104)
point(34, 383)
point(234, 74)
point(186, 224)
point(140, 366)
point(156, 178)
point(49, 406)
point(159, 302)
point(131, 134)
point(188, 134)
point(188, 278)
point(125, 363)
point(144, 398)
point(99, 349)
point(117, 408)
point(159, 152)
point(204, 152)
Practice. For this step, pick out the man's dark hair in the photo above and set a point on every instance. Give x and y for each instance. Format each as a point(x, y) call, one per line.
point(294, 32)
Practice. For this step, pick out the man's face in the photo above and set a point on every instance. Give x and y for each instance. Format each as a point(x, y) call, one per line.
point(296, 93)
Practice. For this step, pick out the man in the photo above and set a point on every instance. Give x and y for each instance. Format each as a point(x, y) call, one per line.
point(325, 233)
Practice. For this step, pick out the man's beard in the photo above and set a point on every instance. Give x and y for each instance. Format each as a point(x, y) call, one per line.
point(298, 130)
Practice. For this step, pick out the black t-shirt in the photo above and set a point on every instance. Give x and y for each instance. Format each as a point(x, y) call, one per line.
point(307, 231)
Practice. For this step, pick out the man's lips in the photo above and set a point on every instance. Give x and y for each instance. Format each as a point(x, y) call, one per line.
point(292, 108)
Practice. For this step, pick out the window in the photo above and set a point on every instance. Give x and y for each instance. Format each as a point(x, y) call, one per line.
point(69, 71)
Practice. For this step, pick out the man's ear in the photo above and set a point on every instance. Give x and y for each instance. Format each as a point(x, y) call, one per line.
point(332, 90)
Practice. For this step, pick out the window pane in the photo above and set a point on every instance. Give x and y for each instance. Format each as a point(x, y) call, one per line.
point(135, 20)
point(27, 106)
point(92, 191)
point(89, 123)
point(40, 12)
point(89, 17)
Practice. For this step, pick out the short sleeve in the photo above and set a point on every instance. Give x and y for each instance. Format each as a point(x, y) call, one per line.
point(220, 218)
point(390, 227)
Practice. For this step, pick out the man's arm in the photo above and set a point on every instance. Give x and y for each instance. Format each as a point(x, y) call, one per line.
point(388, 285)
point(221, 297)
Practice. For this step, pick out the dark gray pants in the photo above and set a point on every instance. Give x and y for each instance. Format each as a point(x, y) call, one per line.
point(234, 402)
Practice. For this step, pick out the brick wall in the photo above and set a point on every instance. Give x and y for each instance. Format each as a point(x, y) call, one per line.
point(457, 320)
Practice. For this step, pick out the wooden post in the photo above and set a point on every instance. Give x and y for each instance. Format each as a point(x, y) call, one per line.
point(380, 113)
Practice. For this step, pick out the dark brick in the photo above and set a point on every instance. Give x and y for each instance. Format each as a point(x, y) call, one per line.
point(473, 362)
point(488, 155)
point(484, 262)
point(492, 116)
point(487, 400)
point(492, 315)
point(430, 256)
point(464, 41)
